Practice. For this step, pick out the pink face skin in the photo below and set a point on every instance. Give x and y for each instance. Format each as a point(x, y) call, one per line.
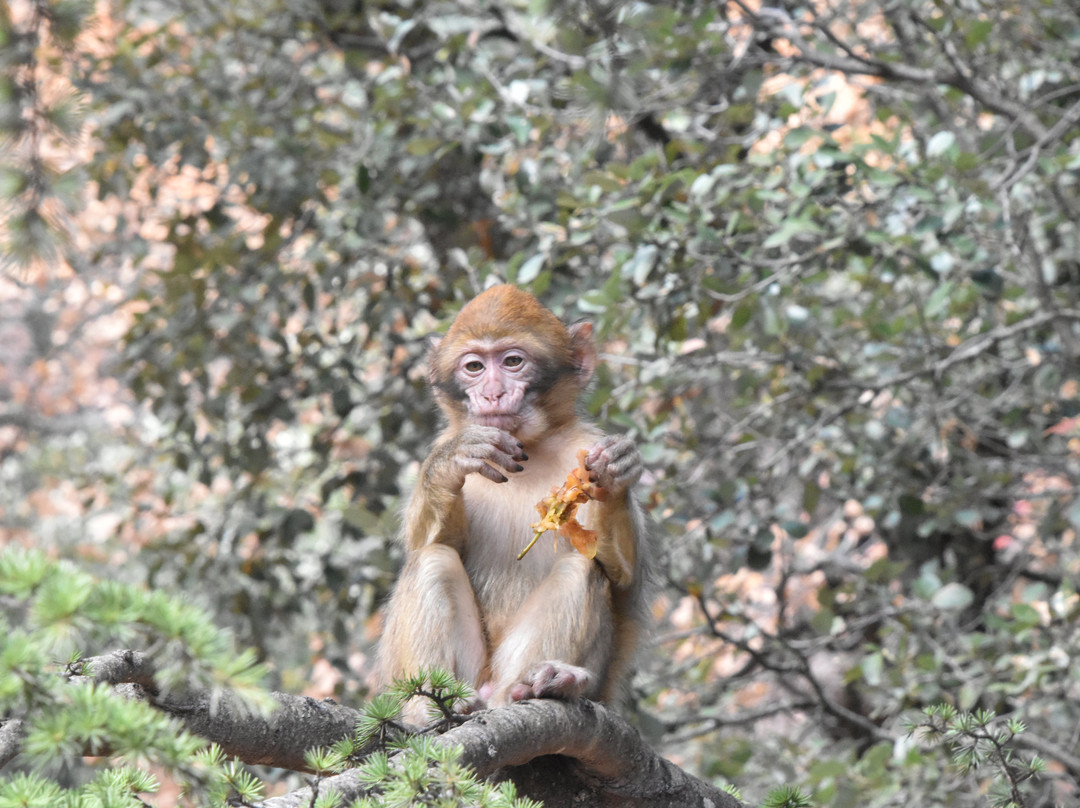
point(495, 379)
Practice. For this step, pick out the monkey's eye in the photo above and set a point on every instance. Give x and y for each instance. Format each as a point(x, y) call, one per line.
point(513, 361)
point(474, 366)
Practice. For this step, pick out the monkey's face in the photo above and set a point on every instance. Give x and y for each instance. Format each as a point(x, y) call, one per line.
point(499, 383)
point(508, 362)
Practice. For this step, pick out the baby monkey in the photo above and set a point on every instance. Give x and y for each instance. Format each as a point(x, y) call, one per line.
point(555, 624)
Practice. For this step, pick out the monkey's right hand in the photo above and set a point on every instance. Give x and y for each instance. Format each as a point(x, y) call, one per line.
point(476, 449)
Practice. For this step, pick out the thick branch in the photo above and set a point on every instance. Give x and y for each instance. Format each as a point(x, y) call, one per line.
point(564, 754)
point(123, 668)
point(605, 761)
point(293, 725)
point(12, 731)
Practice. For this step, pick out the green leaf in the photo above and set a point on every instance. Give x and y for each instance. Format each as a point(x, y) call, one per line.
point(791, 228)
point(744, 312)
point(940, 143)
point(22, 570)
point(911, 505)
point(22, 790)
point(953, 597)
point(1026, 615)
point(799, 136)
point(530, 270)
point(423, 146)
point(938, 302)
point(977, 32)
point(595, 301)
point(363, 179)
point(641, 264)
point(602, 180)
point(12, 182)
point(872, 667)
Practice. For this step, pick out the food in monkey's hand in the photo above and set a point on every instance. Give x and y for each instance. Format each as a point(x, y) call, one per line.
point(558, 510)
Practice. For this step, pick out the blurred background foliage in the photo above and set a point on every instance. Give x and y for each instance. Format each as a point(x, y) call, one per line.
point(830, 250)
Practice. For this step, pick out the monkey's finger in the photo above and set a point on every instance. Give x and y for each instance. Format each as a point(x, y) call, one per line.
point(484, 470)
point(493, 437)
point(503, 461)
point(616, 463)
point(520, 692)
point(602, 446)
point(488, 467)
point(608, 451)
point(625, 465)
point(493, 454)
point(512, 446)
point(484, 464)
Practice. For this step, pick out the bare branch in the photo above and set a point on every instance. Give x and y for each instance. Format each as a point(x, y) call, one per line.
point(11, 739)
point(778, 23)
point(967, 350)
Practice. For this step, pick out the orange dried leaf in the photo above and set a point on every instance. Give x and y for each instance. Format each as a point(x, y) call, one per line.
point(558, 510)
point(582, 539)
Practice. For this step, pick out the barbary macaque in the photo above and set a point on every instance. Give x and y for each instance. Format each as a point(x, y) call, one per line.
point(555, 624)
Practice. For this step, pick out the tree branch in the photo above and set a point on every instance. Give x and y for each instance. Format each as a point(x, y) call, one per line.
point(278, 737)
point(604, 762)
point(966, 351)
point(600, 758)
point(12, 731)
point(778, 23)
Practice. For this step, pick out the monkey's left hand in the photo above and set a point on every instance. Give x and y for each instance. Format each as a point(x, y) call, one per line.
point(614, 463)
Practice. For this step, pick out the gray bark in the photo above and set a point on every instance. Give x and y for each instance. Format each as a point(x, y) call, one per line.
point(563, 753)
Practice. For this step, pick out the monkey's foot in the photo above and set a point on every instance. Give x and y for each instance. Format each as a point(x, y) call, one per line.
point(552, 680)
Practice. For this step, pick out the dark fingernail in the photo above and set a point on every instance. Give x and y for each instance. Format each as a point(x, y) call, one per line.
point(524, 456)
point(519, 467)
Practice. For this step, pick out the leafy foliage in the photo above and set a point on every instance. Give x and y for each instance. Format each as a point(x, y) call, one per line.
point(39, 115)
point(979, 739)
point(52, 608)
point(424, 773)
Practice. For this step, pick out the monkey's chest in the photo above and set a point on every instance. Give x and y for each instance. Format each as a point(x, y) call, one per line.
point(499, 519)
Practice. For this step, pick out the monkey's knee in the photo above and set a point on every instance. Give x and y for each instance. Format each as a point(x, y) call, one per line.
point(560, 643)
point(432, 619)
point(436, 567)
point(583, 580)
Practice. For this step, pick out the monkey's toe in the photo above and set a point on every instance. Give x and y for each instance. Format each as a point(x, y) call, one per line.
point(552, 680)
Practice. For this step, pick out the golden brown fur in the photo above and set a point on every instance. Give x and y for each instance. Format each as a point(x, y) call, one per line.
point(507, 376)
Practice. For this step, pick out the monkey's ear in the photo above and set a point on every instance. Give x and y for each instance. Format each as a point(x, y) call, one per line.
point(433, 343)
point(584, 348)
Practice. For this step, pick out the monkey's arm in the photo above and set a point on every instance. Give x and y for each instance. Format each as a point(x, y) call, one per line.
point(617, 531)
point(436, 513)
point(615, 464)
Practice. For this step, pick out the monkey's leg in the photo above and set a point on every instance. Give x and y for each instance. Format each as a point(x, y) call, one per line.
point(560, 642)
point(432, 619)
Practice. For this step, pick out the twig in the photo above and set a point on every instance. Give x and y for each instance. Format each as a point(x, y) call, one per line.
point(779, 23)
